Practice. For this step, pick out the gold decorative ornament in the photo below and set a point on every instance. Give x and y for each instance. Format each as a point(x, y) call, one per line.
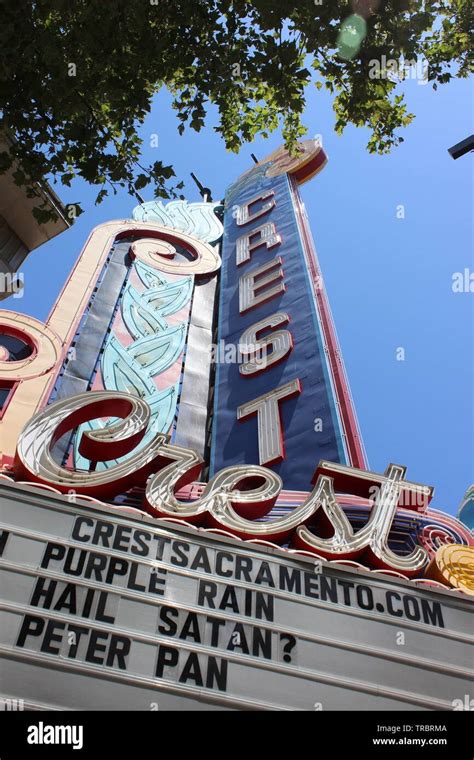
point(453, 564)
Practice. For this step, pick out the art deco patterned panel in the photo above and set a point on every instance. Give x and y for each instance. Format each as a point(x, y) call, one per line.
point(143, 351)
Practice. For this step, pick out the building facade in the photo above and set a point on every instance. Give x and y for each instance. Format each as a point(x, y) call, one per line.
point(20, 232)
point(188, 515)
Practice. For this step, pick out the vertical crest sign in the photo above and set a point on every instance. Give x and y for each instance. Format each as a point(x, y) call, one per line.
point(286, 404)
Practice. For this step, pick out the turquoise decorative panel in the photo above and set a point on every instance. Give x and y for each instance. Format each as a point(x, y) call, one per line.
point(143, 345)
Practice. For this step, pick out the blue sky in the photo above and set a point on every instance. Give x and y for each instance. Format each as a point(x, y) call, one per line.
point(389, 280)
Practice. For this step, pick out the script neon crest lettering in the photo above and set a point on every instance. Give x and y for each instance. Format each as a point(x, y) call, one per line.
point(232, 500)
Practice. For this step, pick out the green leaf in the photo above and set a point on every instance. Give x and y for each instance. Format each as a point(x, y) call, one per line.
point(90, 125)
point(141, 181)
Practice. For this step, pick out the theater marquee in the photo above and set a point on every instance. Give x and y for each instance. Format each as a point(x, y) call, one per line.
point(179, 617)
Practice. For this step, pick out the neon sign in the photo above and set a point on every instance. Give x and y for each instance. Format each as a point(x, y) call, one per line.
point(234, 498)
point(33, 379)
point(266, 253)
point(288, 400)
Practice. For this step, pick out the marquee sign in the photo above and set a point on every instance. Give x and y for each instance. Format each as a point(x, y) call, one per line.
point(179, 618)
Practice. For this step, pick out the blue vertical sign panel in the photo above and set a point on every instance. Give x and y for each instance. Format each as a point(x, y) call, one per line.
point(310, 423)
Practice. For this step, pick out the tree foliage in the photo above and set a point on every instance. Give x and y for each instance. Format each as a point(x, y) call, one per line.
point(77, 76)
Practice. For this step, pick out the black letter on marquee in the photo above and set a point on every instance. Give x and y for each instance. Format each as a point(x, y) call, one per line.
point(3, 540)
point(192, 670)
point(31, 626)
point(262, 643)
point(166, 656)
point(78, 631)
point(328, 589)
point(119, 648)
point(166, 613)
point(432, 613)
point(50, 636)
point(391, 610)
point(207, 592)
point(43, 589)
point(214, 674)
point(290, 579)
point(52, 551)
point(190, 629)
point(76, 531)
point(263, 606)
